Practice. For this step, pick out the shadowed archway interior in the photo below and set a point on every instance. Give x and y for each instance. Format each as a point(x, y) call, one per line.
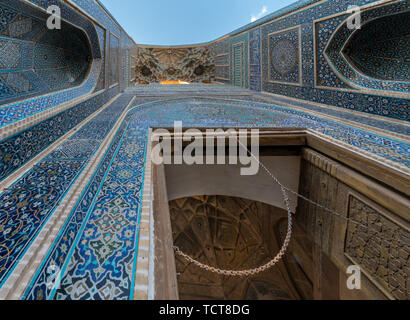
point(236, 234)
point(35, 60)
point(380, 49)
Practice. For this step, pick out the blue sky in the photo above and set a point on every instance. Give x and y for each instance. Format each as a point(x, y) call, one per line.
point(176, 22)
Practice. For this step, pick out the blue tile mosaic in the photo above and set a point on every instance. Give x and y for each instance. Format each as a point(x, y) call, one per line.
point(127, 46)
point(239, 71)
point(43, 186)
point(97, 247)
point(10, 54)
point(221, 52)
point(325, 76)
point(24, 146)
point(362, 61)
point(114, 75)
point(284, 56)
point(27, 206)
point(102, 36)
point(95, 9)
point(43, 67)
point(319, 35)
point(300, 52)
point(255, 60)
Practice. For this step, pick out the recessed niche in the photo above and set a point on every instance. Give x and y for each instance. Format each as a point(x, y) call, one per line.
point(380, 49)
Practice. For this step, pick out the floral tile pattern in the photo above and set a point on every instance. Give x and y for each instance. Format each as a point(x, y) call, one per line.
point(294, 53)
point(96, 249)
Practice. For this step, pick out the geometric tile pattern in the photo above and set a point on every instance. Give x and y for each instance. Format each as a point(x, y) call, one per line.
point(10, 52)
point(39, 52)
point(361, 118)
point(17, 82)
point(15, 70)
point(114, 60)
point(109, 235)
point(11, 113)
point(239, 60)
point(112, 221)
point(375, 56)
point(5, 91)
point(7, 15)
point(255, 59)
point(221, 51)
point(97, 247)
point(27, 206)
point(61, 59)
point(20, 27)
point(128, 50)
point(95, 10)
point(22, 147)
point(265, 115)
point(26, 24)
point(325, 76)
point(102, 39)
point(74, 149)
point(29, 202)
point(284, 56)
point(316, 31)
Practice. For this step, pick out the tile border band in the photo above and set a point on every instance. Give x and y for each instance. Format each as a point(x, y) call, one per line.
point(15, 286)
point(365, 127)
point(12, 178)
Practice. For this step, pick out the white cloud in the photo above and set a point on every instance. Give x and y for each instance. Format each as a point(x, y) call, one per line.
point(263, 11)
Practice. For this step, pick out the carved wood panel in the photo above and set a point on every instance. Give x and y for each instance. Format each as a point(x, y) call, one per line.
point(380, 246)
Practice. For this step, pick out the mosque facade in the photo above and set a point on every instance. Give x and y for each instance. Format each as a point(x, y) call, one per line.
point(86, 215)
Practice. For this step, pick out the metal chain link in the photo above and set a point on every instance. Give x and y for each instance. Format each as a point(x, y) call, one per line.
point(254, 271)
point(286, 242)
point(302, 196)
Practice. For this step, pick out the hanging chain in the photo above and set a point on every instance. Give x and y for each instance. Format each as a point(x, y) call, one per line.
point(282, 252)
point(243, 273)
point(254, 271)
point(300, 195)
